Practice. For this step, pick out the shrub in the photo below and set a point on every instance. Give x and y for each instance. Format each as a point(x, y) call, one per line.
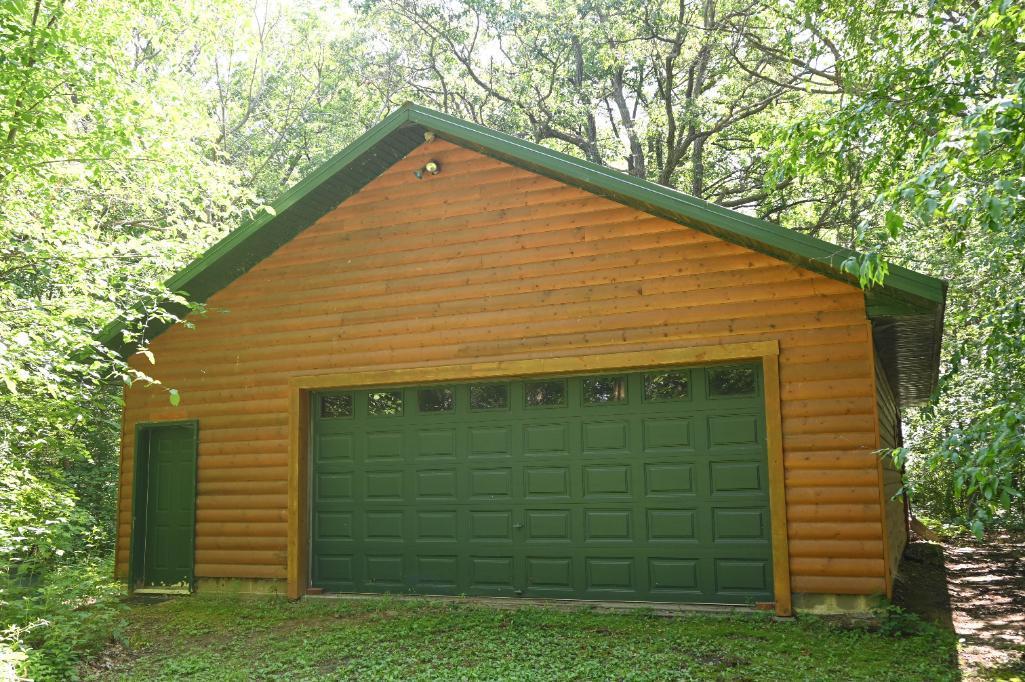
point(48, 626)
point(895, 621)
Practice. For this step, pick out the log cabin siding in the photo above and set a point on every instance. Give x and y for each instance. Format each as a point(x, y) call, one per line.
point(487, 261)
point(889, 438)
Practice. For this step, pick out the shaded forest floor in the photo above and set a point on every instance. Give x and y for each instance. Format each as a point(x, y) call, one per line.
point(978, 590)
point(973, 589)
point(224, 638)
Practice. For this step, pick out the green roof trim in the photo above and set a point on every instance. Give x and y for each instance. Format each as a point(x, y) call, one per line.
point(909, 305)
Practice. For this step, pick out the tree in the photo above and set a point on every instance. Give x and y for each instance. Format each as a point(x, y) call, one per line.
point(292, 87)
point(673, 92)
point(107, 182)
point(930, 114)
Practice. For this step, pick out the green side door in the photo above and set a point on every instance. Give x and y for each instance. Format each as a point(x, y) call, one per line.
point(165, 507)
point(645, 486)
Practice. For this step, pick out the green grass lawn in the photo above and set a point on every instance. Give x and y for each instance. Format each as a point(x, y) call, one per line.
point(221, 638)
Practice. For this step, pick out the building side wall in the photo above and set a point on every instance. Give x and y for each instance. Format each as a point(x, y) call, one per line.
point(486, 261)
point(895, 512)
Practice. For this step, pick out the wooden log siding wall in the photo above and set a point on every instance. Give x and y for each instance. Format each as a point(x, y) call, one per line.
point(890, 437)
point(488, 261)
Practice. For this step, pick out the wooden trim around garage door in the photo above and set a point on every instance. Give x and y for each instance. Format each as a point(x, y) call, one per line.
point(299, 426)
point(777, 485)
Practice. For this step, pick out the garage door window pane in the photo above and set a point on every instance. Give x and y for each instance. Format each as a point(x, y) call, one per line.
point(332, 406)
point(604, 390)
point(667, 385)
point(545, 393)
point(436, 399)
point(384, 403)
point(489, 396)
point(731, 381)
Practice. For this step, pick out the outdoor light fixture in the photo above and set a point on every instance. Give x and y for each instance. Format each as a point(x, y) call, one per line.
point(432, 167)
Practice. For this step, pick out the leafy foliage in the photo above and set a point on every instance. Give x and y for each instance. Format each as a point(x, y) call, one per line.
point(107, 182)
point(931, 125)
point(668, 91)
point(895, 621)
point(47, 628)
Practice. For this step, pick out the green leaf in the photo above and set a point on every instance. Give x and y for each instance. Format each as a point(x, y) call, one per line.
point(977, 528)
point(894, 223)
point(174, 397)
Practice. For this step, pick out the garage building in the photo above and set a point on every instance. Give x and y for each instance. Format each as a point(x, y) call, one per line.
point(455, 362)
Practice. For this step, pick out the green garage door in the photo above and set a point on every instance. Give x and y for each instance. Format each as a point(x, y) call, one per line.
point(641, 486)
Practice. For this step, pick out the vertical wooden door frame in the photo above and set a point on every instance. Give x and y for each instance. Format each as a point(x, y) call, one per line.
point(300, 424)
point(137, 534)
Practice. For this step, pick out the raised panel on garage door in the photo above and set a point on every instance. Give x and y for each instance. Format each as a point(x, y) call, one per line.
point(648, 485)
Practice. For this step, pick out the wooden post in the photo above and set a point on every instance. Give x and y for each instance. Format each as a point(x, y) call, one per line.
point(298, 536)
point(777, 485)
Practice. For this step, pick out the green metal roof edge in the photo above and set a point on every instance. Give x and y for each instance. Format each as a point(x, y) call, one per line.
point(291, 196)
point(726, 222)
point(903, 292)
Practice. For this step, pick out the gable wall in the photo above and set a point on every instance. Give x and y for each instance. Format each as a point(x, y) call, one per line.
point(487, 261)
